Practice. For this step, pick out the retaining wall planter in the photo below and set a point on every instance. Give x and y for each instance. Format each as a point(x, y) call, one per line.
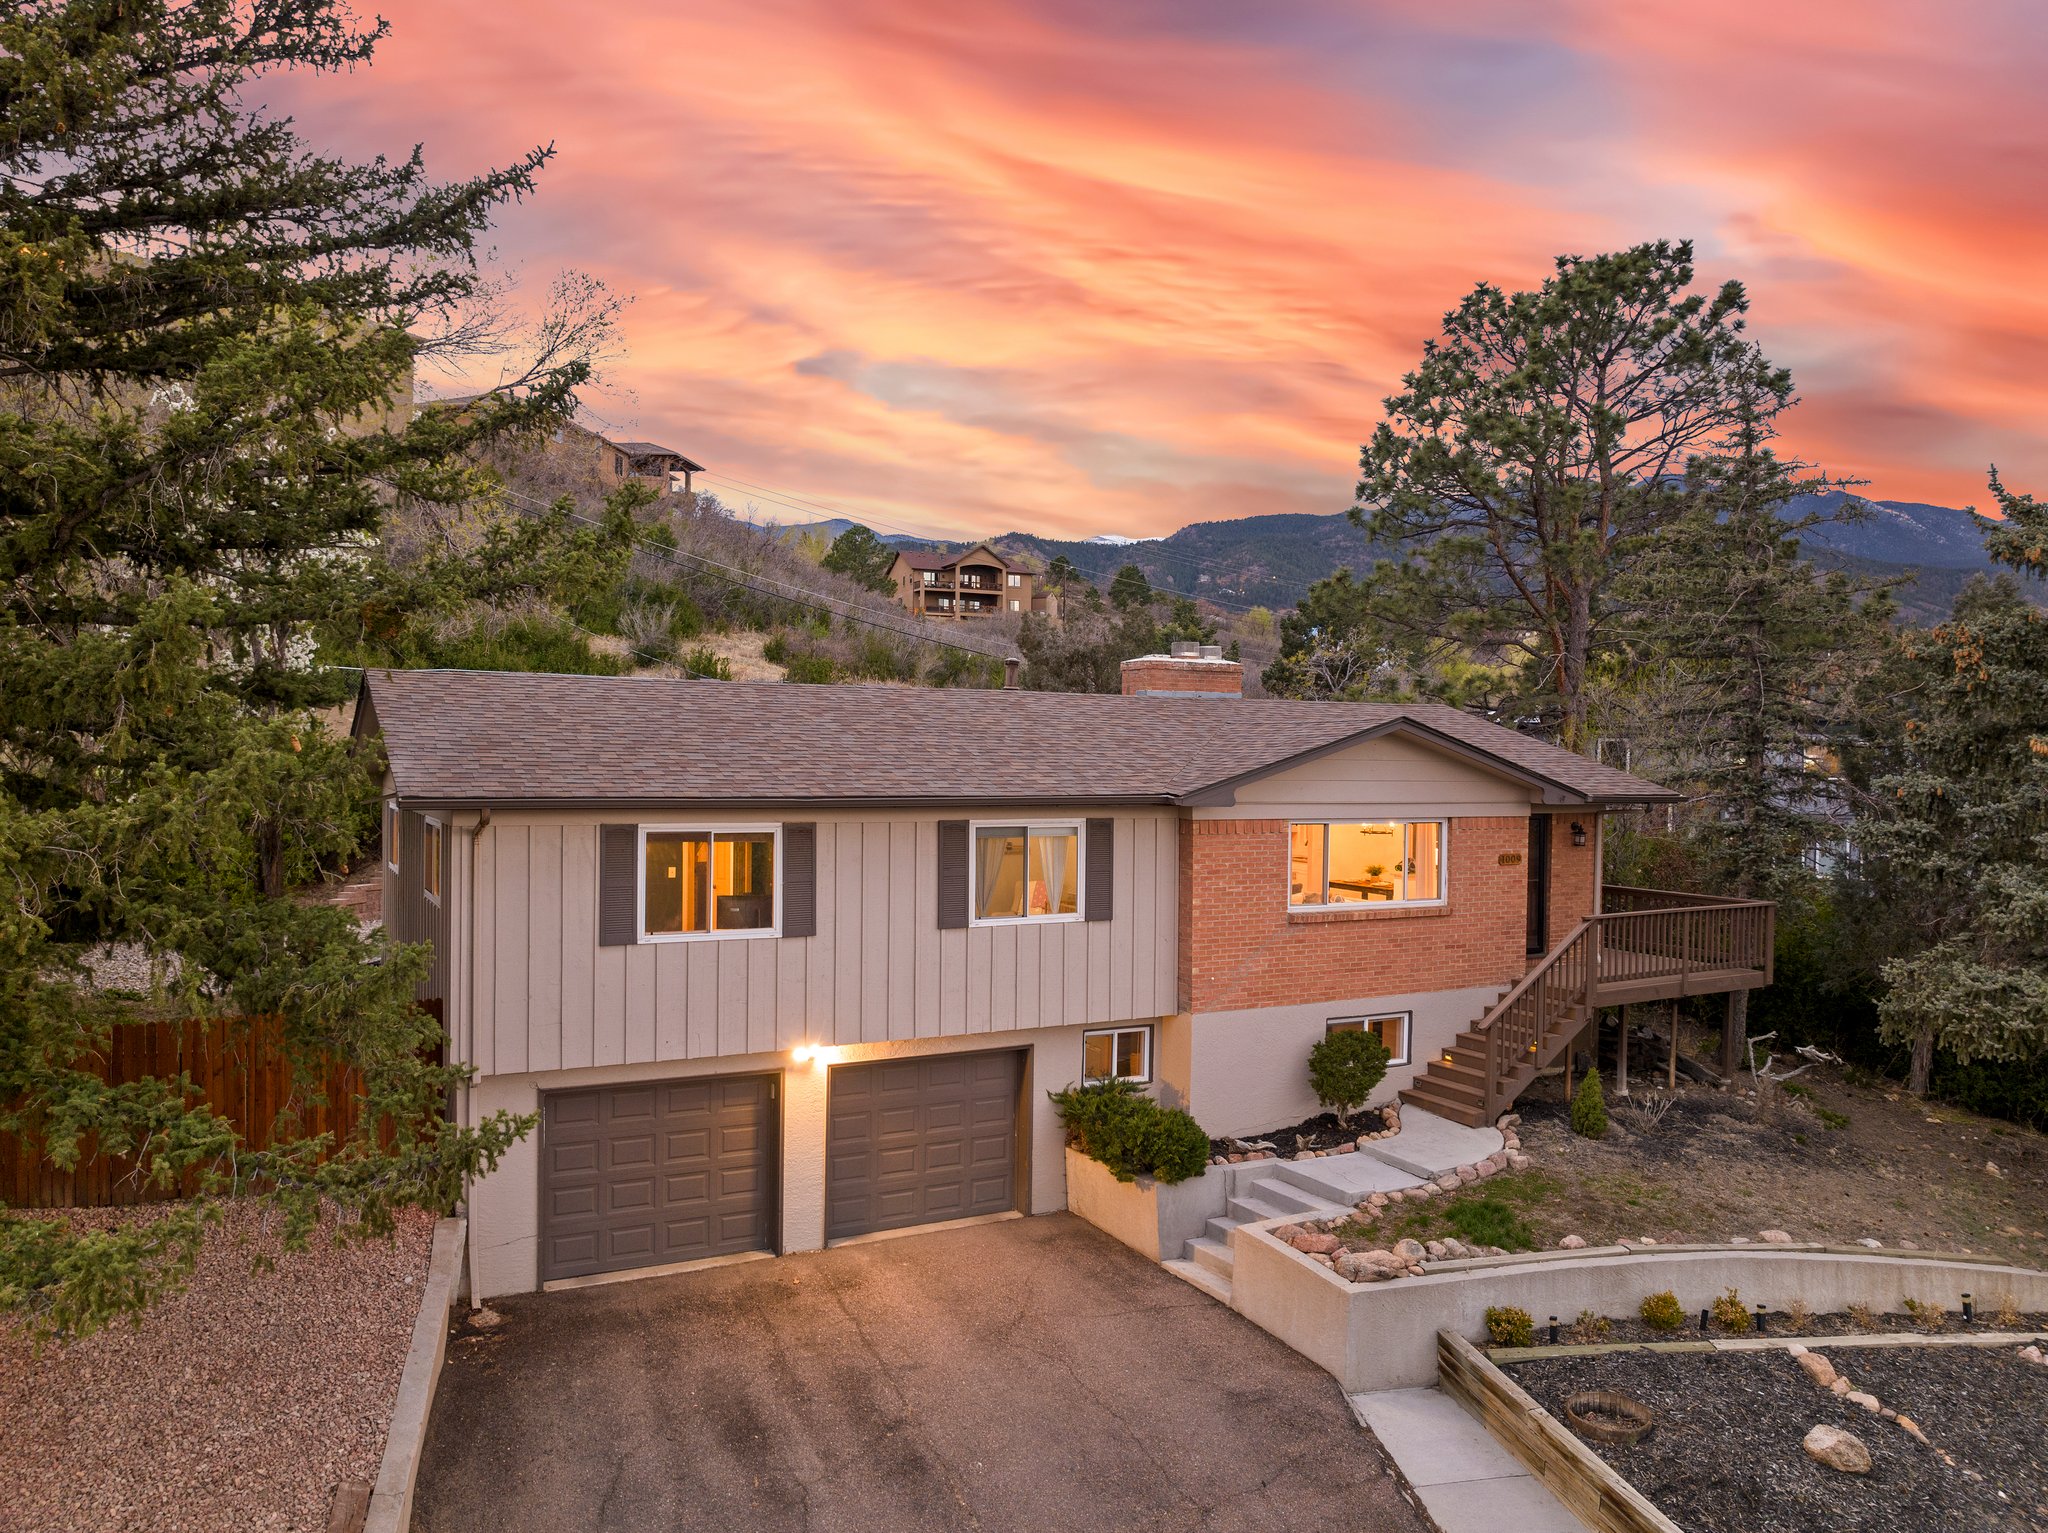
point(1152, 1218)
point(1383, 1335)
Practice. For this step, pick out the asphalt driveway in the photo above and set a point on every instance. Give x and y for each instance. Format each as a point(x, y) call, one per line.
point(1031, 1375)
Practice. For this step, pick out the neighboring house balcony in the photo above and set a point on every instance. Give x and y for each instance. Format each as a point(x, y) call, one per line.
point(1645, 945)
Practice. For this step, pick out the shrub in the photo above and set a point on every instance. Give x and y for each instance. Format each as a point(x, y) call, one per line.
point(1928, 1314)
point(1508, 1326)
point(1730, 1314)
point(707, 663)
point(1862, 1316)
point(1589, 1108)
point(1346, 1068)
point(1799, 1316)
point(1831, 1119)
point(805, 667)
point(1590, 1329)
point(776, 650)
point(1663, 1312)
point(1116, 1123)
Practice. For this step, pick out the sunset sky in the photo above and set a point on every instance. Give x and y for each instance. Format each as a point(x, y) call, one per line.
point(1078, 266)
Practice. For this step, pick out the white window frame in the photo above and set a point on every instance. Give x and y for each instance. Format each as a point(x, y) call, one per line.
point(1365, 1022)
point(1144, 1079)
point(394, 822)
point(430, 862)
point(1016, 580)
point(974, 830)
point(1443, 862)
point(772, 929)
point(1015, 604)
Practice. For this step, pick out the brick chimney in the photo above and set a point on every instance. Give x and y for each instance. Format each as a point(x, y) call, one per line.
point(1186, 670)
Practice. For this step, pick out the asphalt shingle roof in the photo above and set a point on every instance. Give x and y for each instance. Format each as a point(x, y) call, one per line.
point(487, 737)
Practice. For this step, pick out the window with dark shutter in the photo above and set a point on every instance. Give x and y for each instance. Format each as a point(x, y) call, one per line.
point(618, 885)
point(953, 874)
point(800, 880)
point(1099, 894)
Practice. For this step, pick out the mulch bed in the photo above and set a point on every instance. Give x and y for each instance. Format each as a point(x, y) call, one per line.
point(1779, 1325)
point(1319, 1133)
point(1725, 1456)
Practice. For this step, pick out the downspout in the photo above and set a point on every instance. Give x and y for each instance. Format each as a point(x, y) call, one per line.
point(468, 1113)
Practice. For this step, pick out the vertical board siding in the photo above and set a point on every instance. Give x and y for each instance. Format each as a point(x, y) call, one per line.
point(879, 967)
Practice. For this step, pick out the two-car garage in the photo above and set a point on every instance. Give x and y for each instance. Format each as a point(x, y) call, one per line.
point(656, 1173)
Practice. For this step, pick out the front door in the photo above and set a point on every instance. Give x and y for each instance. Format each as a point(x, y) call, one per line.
point(1539, 884)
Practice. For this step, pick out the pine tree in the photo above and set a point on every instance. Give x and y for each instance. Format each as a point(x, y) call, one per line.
point(859, 555)
point(207, 340)
point(1955, 844)
point(1533, 456)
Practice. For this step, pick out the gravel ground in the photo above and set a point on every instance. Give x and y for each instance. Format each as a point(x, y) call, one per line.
point(239, 1404)
point(1725, 1456)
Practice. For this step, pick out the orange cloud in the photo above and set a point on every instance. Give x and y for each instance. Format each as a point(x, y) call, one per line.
point(1084, 269)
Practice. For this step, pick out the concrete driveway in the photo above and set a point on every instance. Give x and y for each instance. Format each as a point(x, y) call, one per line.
point(1028, 1375)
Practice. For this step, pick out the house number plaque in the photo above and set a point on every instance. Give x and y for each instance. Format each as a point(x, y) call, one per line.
point(1510, 859)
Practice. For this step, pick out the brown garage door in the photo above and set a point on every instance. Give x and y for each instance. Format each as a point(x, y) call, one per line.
point(915, 1141)
point(669, 1171)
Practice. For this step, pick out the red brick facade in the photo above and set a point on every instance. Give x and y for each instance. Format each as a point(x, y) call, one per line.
point(1158, 674)
point(1242, 948)
point(1574, 870)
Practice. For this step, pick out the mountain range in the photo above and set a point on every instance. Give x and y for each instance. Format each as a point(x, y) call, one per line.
point(1270, 561)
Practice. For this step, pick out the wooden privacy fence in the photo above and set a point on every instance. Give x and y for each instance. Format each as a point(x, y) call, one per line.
point(238, 1068)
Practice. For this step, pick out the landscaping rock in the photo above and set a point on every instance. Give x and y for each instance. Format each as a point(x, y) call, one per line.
point(2033, 1355)
point(1775, 1237)
point(1435, 1250)
point(1837, 1449)
point(1572, 1243)
point(1314, 1243)
point(1446, 1183)
point(1912, 1427)
point(1409, 1250)
point(1841, 1386)
point(1518, 1161)
point(1818, 1368)
point(1860, 1397)
point(1870, 1245)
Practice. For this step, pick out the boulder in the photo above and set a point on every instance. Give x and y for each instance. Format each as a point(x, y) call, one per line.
point(1517, 1160)
point(1818, 1368)
point(1841, 1385)
point(1775, 1237)
point(1285, 1232)
point(1837, 1449)
point(1865, 1399)
point(1314, 1243)
point(1572, 1243)
point(1409, 1250)
point(2032, 1355)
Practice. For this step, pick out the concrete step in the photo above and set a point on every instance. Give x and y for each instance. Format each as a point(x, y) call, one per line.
point(1250, 1210)
point(1275, 1192)
point(1220, 1227)
point(1217, 1288)
point(1339, 1181)
point(1216, 1255)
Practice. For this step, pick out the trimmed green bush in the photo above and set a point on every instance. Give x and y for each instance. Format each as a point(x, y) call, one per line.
point(707, 663)
point(1116, 1123)
point(1731, 1314)
point(1510, 1326)
point(1344, 1069)
point(1589, 1108)
point(1663, 1312)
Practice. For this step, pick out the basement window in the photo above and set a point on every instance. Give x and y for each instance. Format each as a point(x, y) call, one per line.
point(1117, 1054)
point(1390, 1027)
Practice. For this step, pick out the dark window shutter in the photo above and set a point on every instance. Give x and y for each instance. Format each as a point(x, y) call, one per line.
point(800, 880)
point(1101, 855)
point(954, 867)
point(618, 885)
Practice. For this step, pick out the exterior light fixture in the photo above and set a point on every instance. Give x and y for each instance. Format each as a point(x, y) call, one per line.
point(1969, 1309)
point(803, 1053)
point(1578, 834)
point(1553, 1330)
point(1761, 1315)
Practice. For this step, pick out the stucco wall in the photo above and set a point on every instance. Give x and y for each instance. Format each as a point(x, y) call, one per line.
point(547, 997)
point(505, 1206)
point(1247, 1071)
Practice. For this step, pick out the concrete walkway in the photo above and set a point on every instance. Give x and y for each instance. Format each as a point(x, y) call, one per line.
point(1329, 1187)
point(1467, 1482)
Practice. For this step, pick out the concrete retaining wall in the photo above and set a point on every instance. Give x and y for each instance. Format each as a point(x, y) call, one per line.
point(391, 1500)
point(1152, 1218)
point(1383, 1335)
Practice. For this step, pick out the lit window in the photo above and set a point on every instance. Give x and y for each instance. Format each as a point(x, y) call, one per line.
point(1391, 1028)
point(392, 821)
point(701, 883)
point(1027, 872)
point(1117, 1054)
point(430, 859)
point(1016, 580)
point(1389, 863)
point(1014, 604)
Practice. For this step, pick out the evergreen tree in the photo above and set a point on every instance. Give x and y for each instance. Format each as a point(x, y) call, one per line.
point(859, 555)
point(1532, 457)
point(207, 339)
point(1061, 573)
point(1130, 589)
point(1955, 844)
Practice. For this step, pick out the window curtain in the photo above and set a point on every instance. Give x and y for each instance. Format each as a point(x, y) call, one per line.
point(989, 855)
point(1053, 851)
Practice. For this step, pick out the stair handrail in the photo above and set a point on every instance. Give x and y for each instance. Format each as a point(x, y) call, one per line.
point(1536, 981)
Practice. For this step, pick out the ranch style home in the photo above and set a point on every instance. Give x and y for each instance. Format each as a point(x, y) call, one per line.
point(779, 966)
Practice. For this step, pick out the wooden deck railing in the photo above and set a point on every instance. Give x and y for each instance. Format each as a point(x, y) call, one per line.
point(1645, 942)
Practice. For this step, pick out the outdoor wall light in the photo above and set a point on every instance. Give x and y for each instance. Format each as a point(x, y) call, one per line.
point(1969, 1310)
point(808, 1054)
point(1578, 834)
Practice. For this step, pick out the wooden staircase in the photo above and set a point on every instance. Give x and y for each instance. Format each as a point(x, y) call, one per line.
point(1648, 944)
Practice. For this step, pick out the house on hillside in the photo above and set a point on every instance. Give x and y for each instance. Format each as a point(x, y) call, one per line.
point(975, 582)
point(773, 979)
point(610, 461)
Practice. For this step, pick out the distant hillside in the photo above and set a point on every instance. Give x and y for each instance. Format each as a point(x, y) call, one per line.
point(1270, 561)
